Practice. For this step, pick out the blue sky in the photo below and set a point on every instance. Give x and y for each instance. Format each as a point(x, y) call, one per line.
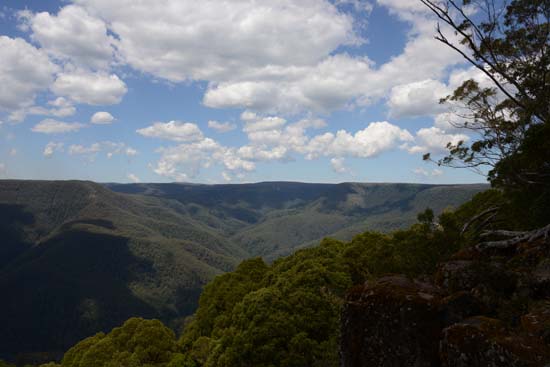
point(225, 91)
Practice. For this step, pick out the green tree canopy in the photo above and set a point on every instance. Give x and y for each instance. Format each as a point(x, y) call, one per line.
point(509, 41)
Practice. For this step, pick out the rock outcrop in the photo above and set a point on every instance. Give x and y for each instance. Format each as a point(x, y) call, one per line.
point(480, 310)
point(397, 309)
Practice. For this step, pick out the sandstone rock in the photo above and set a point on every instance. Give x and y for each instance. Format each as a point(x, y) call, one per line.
point(460, 306)
point(537, 322)
point(484, 342)
point(457, 275)
point(391, 322)
point(540, 280)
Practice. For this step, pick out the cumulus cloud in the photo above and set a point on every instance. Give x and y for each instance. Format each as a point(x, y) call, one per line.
point(60, 107)
point(77, 149)
point(272, 138)
point(173, 130)
point(434, 140)
point(93, 88)
point(12, 152)
point(131, 152)
point(417, 98)
point(250, 53)
point(132, 177)
point(185, 161)
point(24, 71)
point(51, 148)
point(72, 35)
point(427, 173)
point(376, 138)
point(221, 127)
point(51, 126)
point(215, 40)
point(269, 57)
point(335, 82)
point(102, 118)
point(339, 165)
point(108, 147)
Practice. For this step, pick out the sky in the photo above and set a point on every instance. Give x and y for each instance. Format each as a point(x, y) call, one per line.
point(217, 91)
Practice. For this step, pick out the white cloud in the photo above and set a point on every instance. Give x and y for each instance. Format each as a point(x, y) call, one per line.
point(434, 140)
point(108, 147)
point(216, 40)
point(102, 118)
point(406, 9)
point(339, 165)
point(272, 139)
point(24, 71)
point(221, 127)
point(51, 126)
point(270, 57)
point(72, 35)
point(131, 152)
point(417, 98)
point(263, 124)
point(450, 122)
point(184, 162)
point(132, 177)
point(173, 130)
point(336, 82)
point(427, 173)
point(77, 149)
point(226, 177)
point(51, 148)
point(12, 152)
point(376, 138)
point(60, 108)
point(97, 88)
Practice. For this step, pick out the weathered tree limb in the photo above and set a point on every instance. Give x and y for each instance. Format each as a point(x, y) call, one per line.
point(477, 217)
point(517, 237)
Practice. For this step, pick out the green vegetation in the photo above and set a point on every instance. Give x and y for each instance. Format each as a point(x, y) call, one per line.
point(286, 313)
point(94, 258)
point(510, 43)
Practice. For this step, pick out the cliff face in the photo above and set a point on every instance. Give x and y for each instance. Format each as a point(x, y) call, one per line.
point(478, 310)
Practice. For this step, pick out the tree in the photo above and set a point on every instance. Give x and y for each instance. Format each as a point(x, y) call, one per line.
point(509, 42)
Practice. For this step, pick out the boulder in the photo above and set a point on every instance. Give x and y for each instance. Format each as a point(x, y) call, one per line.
point(537, 322)
point(483, 342)
point(460, 306)
point(540, 280)
point(391, 322)
point(457, 275)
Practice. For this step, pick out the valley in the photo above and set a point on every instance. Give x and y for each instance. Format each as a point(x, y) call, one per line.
point(79, 257)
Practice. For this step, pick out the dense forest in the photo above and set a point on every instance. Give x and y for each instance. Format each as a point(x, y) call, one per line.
point(95, 255)
point(286, 313)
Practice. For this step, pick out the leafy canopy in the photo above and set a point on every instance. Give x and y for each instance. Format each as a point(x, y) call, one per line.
point(509, 41)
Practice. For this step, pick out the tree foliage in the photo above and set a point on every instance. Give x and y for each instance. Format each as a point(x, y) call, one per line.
point(509, 41)
point(139, 343)
point(287, 314)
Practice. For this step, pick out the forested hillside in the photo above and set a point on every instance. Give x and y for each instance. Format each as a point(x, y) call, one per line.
point(78, 258)
point(272, 219)
point(453, 302)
